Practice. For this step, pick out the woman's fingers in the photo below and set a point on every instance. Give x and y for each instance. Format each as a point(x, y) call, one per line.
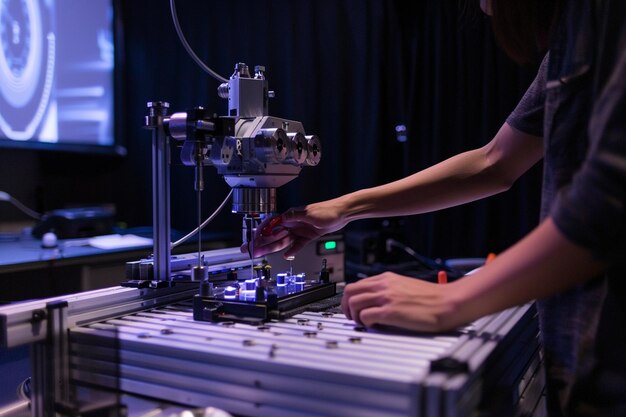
point(394, 300)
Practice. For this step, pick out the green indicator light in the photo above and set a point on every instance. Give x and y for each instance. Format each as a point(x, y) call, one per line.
point(330, 245)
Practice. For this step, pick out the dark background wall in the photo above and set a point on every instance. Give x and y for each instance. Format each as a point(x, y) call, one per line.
point(349, 70)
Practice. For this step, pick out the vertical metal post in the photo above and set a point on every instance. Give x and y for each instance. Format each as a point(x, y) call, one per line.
point(160, 189)
point(38, 387)
point(50, 360)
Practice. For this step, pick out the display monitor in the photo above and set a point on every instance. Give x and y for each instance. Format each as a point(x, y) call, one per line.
point(57, 75)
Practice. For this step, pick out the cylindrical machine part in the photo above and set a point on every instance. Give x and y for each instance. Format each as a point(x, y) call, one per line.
point(254, 200)
point(199, 273)
point(267, 272)
point(160, 190)
point(241, 70)
point(297, 149)
point(178, 126)
point(271, 145)
point(199, 171)
point(314, 150)
point(223, 90)
point(258, 271)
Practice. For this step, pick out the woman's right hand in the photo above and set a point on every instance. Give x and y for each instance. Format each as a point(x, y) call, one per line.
point(295, 228)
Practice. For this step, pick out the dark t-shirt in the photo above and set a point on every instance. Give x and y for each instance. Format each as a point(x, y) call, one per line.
point(578, 104)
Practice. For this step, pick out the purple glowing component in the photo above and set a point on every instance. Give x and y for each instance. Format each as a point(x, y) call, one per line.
point(250, 284)
point(230, 292)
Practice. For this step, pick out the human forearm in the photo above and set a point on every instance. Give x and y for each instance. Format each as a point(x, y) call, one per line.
point(463, 178)
point(544, 263)
point(452, 182)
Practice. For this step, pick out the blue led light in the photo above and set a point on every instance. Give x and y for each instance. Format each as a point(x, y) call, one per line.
point(250, 284)
point(281, 279)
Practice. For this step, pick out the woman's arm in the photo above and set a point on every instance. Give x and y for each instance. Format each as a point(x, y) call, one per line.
point(460, 179)
point(463, 178)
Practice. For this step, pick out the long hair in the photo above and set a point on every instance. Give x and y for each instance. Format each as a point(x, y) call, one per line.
point(523, 27)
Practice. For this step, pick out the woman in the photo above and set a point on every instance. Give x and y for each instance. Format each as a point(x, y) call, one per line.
point(574, 117)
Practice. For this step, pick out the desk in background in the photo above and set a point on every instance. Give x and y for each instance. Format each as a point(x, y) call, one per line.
point(28, 271)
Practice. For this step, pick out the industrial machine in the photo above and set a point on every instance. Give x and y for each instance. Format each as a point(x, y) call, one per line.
point(255, 153)
point(222, 329)
point(215, 333)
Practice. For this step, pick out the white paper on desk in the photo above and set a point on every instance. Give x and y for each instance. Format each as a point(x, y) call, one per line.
point(119, 241)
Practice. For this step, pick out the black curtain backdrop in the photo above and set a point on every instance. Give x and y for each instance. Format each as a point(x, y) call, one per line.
point(350, 70)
